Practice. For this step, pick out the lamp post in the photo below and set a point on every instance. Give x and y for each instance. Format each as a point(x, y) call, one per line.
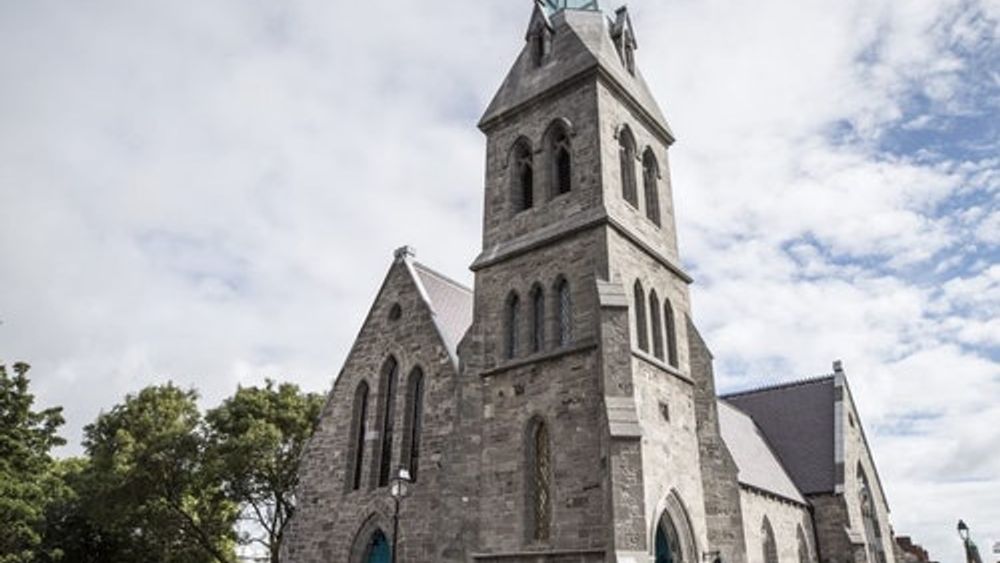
point(971, 551)
point(399, 488)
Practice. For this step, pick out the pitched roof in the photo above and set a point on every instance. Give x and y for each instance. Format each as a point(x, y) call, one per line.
point(450, 303)
point(581, 42)
point(758, 465)
point(798, 421)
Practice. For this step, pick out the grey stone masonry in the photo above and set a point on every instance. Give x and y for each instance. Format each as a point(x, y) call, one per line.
point(565, 410)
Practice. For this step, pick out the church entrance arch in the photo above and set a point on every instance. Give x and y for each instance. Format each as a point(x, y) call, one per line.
point(371, 544)
point(378, 550)
point(673, 538)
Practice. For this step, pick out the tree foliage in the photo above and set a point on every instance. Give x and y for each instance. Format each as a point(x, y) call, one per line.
point(148, 465)
point(27, 481)
point(256, 439)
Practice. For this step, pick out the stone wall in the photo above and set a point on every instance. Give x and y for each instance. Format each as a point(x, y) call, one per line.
point(787, 520)
point(331, 514)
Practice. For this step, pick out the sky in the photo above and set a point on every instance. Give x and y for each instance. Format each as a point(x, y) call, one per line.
point(209, 192)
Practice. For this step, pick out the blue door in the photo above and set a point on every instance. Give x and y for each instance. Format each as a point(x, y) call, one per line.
point(379, 550)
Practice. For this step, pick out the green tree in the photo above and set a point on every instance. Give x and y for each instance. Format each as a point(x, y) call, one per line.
point(27, 481)
point(148, 469)
point(256, 439)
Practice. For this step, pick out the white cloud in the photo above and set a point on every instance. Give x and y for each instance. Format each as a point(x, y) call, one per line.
point(210, 192)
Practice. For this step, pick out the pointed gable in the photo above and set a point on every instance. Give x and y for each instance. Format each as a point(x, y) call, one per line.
point(581, 44)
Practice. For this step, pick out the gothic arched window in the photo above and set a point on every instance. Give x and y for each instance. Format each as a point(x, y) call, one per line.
point(359, 423)
point(769, 546)
point(671, 325)
point(869, 515)
point(540, 484)
point(650, 177)
point(641, 323)
point(654, 314)
point(626, 158)
point(523, 177)
point(390, 374)
point(561, 165)
point(803, 546)
point(414, 421)
point(537, 319)
point(541, 46)
point(564, 313)
point(512, 320)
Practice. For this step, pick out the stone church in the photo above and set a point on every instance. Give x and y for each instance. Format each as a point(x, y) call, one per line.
point(564, 409)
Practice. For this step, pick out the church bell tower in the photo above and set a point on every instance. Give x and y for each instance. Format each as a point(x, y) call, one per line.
point(579, 344)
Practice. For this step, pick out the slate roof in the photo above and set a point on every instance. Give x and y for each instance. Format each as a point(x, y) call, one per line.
point(758, 466)
point(449, 301)
point(582, 41)
point(797, 420)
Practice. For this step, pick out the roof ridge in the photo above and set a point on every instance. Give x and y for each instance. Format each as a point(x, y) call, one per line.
point(442, 277)
point(779, 386)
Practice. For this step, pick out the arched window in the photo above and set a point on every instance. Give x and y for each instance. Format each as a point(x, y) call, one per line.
point(359, 423)
point(671, 325)
point(564, 313)
point(769, 546)
point(537, 319)
point(641, 324)
point(390, 373)
point(541, 46)
point(803, 546)
point(414, 421)
point(650, 177)
point(513, 324)
point(654, 314)
point(560, 153)
point(377, 550)
point(869, 515)
point(523, 177)
point(626, 154)
point(540, 484)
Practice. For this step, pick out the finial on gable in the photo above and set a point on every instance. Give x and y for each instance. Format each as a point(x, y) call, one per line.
point(838, 367)
point(405, 253)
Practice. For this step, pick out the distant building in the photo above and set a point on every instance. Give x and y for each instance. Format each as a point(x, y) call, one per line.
point(564, 410)
point(910, 552)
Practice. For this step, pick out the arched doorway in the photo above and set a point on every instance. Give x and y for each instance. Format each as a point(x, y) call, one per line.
point(668, 542)
point(378, 550)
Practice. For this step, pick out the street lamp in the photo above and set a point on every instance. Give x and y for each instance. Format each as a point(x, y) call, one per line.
point(398, 489)
point(971, 551)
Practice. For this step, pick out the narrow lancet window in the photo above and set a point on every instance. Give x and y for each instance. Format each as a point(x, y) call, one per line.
point(562, 160)
point(512, 328)
point(537, 319)
point(389, 376)
point(360, 423)
point(671, 325)
point(770, 547)
point(654, 313)
point(626, 154)
point(641, 323)
point(564, 313)
point(414, 421)
point(651, 175)
point(540, 486)
point(524, 177)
